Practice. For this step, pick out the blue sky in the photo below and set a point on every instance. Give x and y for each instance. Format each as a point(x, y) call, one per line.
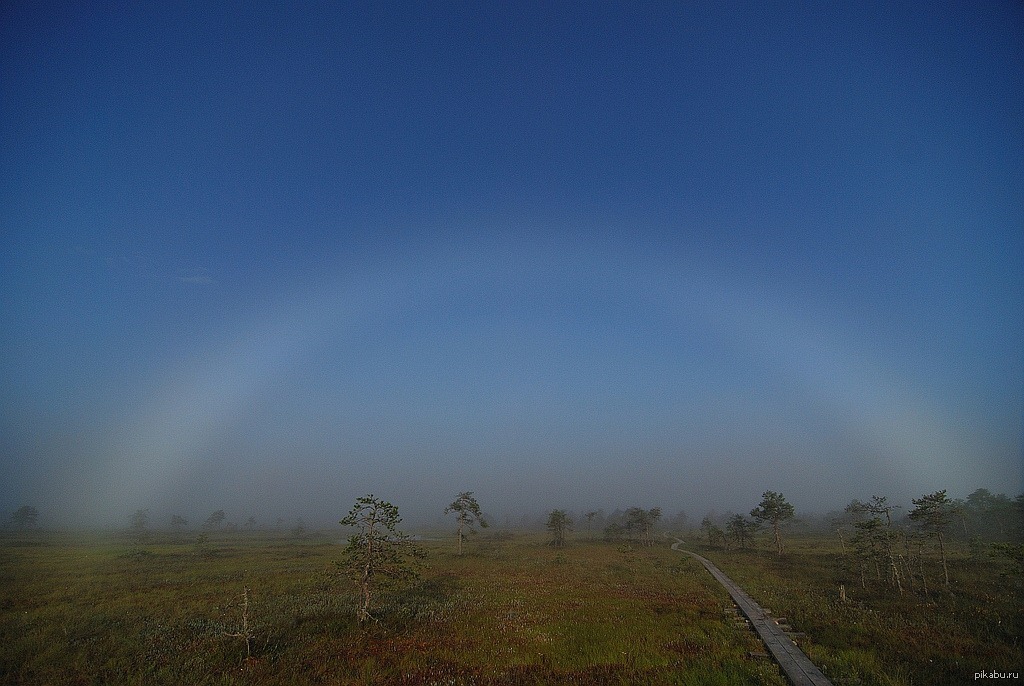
point(269, 258)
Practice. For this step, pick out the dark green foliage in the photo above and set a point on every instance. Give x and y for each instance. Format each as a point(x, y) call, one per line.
point(467, 514)
point(558, 523)
point(741, 530)
point(215, 520)
point(1013, 552)
point(378, 554)
point(201, 547)
point(990, 516)
point(614, 532)
point(933, 514)
point(874, 540)
point(640, 524)
point(774, 509)
point(713, 532)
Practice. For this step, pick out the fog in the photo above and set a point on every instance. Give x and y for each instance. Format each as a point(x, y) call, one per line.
point(555, 265)
point(560, 376)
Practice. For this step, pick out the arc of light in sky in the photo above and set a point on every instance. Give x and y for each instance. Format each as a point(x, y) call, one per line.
point(209, 392)
point(894, 424)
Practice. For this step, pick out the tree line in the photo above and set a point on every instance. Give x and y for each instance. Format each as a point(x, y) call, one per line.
point(887, 550)
point(885, 546)
point(878, 545)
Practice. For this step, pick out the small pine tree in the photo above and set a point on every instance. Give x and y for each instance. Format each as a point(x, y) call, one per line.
point(215, 520)
point(558, 523)
point(741, 529)
point(467, 514)
point(140, 525)
point(713, 532)
point(933, 513)
point(378, 553)
point(774, 509)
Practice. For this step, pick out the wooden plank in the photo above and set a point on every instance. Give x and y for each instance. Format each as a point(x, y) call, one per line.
point(794, 663)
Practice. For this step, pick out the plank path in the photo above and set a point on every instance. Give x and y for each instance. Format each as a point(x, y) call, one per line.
point(794, 663)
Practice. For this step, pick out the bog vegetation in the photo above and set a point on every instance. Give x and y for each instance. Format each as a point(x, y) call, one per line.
point(930, 594)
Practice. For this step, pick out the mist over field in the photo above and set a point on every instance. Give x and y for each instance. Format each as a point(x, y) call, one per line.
point(268, 260)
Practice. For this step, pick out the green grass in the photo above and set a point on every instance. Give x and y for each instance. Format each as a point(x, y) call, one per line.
point(879, 636)
point(102, 611)
point(518, 612)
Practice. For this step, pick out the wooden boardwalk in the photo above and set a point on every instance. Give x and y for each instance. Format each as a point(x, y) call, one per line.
point(796, 666)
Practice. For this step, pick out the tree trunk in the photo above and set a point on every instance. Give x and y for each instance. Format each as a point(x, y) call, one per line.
point(908, 572)
point(920, 561)
point(942, 554)
point(778, 537)
point(364, 589)
point(895, 573)
point(364, 585)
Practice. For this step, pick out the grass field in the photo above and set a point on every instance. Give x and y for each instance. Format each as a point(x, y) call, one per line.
point(878, 636)
point(99, 611)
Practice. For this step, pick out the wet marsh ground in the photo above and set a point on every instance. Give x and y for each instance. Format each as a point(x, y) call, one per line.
point(102, 610)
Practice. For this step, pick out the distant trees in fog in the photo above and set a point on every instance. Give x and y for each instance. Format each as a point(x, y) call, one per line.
point(678, 521)
point(933, 513)
point(873, 543)
point(741, 530)
point(25, 516)
point(138, 531)
point(736, 529)
point(558, 523)
point(140, 520)
point(640, 524)
point(467, 515)
point(893, 551)
point(712, 532)
point(992, 516)
point(215, 520)
point(774, 509)
point(634, 524)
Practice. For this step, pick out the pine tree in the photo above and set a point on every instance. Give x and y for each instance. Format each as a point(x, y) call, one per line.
point(558, 523)
point(378, 553)
point(467, 514)
point(774, 509)
point(934, 513)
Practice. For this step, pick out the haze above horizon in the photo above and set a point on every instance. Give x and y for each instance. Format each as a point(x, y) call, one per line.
point(269, 258)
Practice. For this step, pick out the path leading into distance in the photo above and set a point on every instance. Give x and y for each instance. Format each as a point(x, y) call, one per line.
point(794, 663)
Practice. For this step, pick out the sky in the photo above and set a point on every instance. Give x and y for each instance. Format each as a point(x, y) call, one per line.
point(269, 257)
